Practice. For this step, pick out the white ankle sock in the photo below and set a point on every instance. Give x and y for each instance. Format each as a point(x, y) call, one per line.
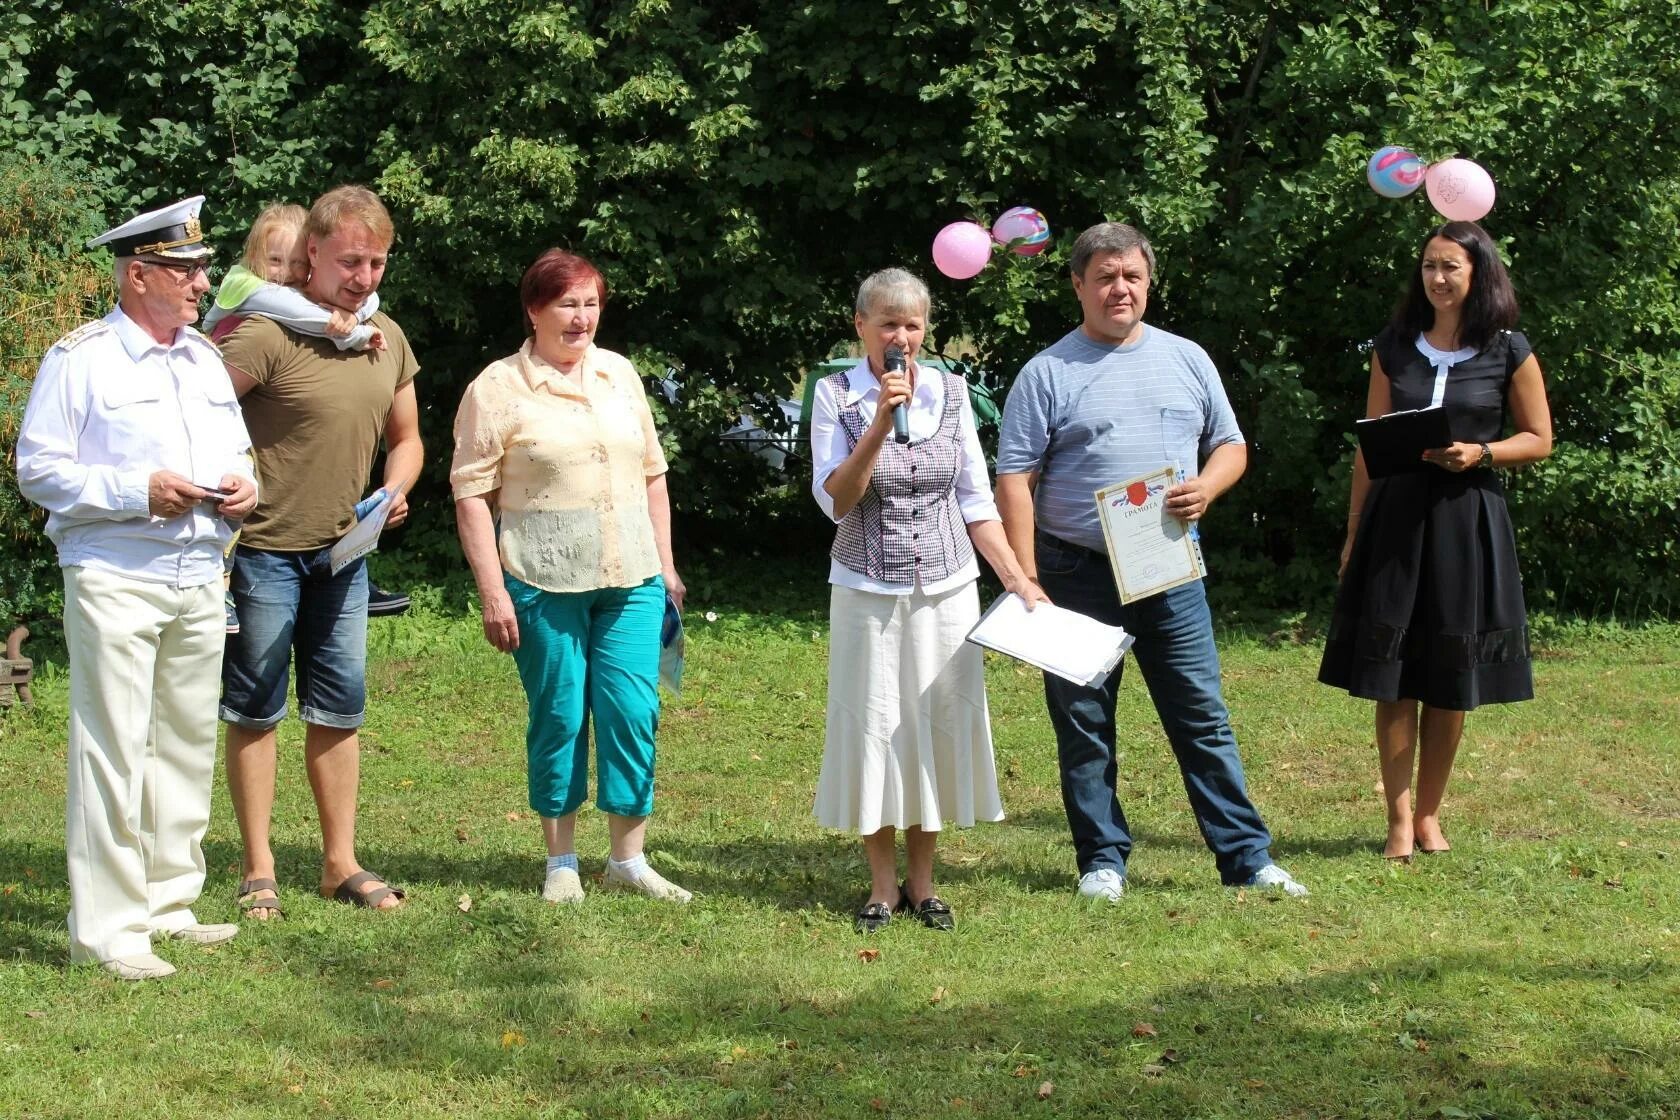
point(632, 868)
point(568, 860)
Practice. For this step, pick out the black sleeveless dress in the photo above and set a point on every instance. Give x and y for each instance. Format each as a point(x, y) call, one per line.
point(1431, 606)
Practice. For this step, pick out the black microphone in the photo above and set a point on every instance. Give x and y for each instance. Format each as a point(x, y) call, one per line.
point(901, 412)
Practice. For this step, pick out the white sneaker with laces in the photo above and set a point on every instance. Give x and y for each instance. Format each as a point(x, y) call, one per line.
point(562, 885)
point(139, 966)
point(1104, 883)
point(650, 883)
point(201, 934)
point(1273, 877)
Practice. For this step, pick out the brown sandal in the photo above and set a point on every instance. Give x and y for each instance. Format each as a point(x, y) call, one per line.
point(247, 904)
point(350, 892)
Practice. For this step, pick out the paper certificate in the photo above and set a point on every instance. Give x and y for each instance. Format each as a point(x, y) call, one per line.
point(1151, 550)
point(363, 536)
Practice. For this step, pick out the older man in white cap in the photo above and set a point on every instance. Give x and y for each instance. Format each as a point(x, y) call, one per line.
point(134, 443)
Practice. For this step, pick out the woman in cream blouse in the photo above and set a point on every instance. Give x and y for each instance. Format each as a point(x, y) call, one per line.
point(562, 509)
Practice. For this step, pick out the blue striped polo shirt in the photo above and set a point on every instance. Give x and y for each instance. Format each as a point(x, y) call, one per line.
point(1088, 415)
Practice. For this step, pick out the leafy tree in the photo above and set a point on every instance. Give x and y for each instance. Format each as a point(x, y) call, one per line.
point(737, 168)
point(46, 289)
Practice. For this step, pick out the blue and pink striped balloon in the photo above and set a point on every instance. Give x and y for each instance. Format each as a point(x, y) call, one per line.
point(1395, 172)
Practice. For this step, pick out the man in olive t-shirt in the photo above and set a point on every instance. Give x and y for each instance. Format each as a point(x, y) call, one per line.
point(316, 415)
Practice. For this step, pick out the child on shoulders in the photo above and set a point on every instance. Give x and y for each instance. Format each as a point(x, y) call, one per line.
point(266, 281)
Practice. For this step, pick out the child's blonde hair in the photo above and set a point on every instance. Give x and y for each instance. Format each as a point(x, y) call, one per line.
point(276, 215)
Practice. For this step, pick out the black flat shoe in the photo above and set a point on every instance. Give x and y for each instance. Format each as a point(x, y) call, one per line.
point(931, 911)
point(873, 918)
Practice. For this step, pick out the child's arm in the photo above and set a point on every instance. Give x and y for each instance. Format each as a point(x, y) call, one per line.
point(355, 333)
point(297, 311)
point(362, 337)
point(368, 308)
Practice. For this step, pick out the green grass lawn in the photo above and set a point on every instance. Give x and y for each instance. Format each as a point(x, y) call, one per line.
point(1530, 972)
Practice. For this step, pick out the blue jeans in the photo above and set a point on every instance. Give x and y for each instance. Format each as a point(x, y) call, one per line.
point(1176, 654)
point(290, 601)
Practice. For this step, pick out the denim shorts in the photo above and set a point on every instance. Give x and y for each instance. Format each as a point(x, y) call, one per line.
point(290, 602)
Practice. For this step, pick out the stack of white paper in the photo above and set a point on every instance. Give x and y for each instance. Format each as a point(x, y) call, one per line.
point(1070, 645)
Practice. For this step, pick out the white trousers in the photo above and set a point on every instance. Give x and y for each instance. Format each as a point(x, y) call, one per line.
point(145, 673)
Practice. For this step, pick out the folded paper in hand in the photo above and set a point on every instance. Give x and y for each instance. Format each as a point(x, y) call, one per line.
point(363, 536)
point(671, 647)
point(1071, 645)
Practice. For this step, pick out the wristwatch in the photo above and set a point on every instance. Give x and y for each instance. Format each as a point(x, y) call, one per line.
point(1487, 457)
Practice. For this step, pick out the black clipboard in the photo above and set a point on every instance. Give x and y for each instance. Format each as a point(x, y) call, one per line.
point(1395, 443)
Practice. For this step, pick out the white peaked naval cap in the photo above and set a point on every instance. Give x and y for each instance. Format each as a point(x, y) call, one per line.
point(171, 232)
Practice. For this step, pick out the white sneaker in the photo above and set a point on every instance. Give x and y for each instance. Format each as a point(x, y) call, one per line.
point(562, 885)
point(650, 883)
point(1104, 883)
point(140, 966)
point(201, 934)
point(1273, 877)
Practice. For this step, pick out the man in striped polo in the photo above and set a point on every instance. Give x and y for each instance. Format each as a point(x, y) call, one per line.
point(1111, 400)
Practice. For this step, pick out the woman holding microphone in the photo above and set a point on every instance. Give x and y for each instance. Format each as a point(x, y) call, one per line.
point(908, 743)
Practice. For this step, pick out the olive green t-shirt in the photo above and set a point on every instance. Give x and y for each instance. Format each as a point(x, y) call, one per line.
point(316, 416)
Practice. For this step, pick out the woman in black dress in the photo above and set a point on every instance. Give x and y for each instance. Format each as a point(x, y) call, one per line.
point(1430, 610)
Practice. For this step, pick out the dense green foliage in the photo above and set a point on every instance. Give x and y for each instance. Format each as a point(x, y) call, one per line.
point(737, 168)
point(46, 288)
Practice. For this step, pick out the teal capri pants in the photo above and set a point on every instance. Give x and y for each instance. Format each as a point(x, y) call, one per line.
point(590, 656)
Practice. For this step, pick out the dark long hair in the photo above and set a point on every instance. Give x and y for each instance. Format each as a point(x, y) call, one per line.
point(1489, 307)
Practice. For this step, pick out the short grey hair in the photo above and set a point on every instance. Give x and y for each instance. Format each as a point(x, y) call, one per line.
point(892, 289)
point(1105, 238)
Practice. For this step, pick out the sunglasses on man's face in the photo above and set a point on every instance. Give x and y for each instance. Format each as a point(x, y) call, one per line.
point(185, 271)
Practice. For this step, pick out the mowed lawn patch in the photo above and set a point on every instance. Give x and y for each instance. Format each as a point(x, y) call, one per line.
point(1533, 971)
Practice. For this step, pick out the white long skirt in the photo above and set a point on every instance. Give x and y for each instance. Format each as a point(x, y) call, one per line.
point(909, 741)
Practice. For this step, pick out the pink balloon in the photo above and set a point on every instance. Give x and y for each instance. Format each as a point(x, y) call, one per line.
point(961, 250)
point(1459, 190)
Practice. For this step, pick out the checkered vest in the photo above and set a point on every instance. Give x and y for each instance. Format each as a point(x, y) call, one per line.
point(907, 527)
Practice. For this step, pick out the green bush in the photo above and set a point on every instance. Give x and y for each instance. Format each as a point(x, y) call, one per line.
point(736, 169)
point(46, 289)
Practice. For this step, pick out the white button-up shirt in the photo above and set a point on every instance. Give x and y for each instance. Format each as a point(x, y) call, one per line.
point(829, 449)
point(110, 407)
